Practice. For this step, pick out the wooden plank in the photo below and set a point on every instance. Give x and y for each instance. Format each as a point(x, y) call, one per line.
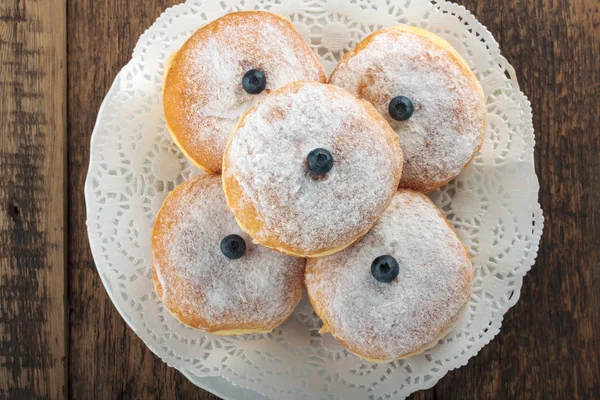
point(107, 359)
point(33, 321)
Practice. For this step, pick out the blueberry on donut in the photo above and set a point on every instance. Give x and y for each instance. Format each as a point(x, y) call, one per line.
point(427, 93)
point(222, 70)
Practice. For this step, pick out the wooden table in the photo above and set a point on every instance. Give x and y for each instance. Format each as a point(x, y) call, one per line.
point(60, 336)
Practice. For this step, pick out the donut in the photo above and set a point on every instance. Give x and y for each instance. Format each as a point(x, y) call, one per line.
point(208, 273)
point(427, 93)
point(310, 169)
point(222, 70)
point(397, 291)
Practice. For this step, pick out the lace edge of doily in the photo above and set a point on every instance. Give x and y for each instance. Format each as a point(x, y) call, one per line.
point(456, 363)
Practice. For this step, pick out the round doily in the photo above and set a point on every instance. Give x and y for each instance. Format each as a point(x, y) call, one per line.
point(134, 165)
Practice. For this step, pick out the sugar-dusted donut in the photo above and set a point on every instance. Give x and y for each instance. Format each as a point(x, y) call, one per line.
point(310, 169)
point(222, 70)
point(427, 93)
point(398, 290)
point(208, 273)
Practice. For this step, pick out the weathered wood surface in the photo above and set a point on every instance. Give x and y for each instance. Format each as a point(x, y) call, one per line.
point(548, 345)
point(33, 131)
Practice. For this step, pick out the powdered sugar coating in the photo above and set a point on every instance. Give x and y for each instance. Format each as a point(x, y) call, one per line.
point(448, 123)
point(203, 94)
point(386, 321)
point(271, 191)
point(203, 288)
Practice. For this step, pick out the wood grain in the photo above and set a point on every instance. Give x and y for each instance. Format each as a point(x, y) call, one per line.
point(33, 125)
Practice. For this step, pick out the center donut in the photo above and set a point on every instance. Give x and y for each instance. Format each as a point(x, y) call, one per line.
point(310, 169)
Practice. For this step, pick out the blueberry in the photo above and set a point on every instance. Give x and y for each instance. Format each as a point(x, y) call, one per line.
point(254, 81)
point(385, 269)
point(401, 108)
point(233, 247)
point(319, 161)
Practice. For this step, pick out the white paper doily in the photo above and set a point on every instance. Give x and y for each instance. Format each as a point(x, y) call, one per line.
point(134, 165)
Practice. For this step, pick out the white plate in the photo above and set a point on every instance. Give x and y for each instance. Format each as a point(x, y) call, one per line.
point(134, 165)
